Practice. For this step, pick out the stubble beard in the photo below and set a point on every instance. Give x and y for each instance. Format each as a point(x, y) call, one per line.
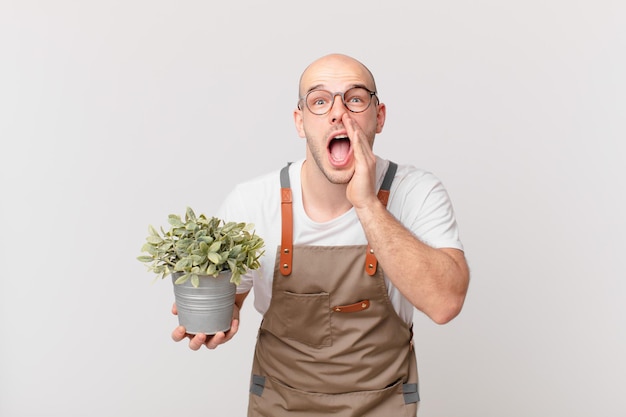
point(320, 157)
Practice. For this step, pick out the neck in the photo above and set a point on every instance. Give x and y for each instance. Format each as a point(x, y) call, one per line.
point(322, 200)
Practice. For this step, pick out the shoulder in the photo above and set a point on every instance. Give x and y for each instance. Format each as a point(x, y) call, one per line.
point(245, 198)
point(412, 173)
point(414, 182)
point(419, 200)
point(256, 200)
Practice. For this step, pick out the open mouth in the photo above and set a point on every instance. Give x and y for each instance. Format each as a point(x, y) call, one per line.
point(339, 148)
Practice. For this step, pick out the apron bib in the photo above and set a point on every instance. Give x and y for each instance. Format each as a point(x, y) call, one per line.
point(331, 342)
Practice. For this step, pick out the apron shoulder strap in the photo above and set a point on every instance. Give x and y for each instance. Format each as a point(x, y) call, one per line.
point(389, 176)
point(286, 208)
point(383, 195)
point(284, 177)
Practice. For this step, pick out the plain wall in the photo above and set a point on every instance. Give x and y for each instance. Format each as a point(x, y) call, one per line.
point(115, 114)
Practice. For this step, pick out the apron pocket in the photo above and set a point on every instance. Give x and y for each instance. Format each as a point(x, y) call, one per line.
point(306, 318)
point(280, 400)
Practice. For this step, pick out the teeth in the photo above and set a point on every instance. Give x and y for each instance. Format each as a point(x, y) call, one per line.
point(341, 137)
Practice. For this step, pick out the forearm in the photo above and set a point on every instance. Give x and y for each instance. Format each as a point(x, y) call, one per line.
point(435, 281)
point(239, 298)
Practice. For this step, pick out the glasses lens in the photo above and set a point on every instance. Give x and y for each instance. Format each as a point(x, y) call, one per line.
point(357, 99)
point(319, 101)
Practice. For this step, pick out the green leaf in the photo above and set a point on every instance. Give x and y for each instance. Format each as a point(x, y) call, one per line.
point(154, 239)
point(235, 278)
point(149, 248)
point(175, 220)
point(190, 215)
point(182, 264)
point(195, 280)
point(236, 250)
point(215, 246)
point(145, 258)
point(196, 259)
point(214, 257)
point(182, 279)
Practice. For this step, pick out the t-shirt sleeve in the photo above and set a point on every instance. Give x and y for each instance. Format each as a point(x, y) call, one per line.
point(427, 210)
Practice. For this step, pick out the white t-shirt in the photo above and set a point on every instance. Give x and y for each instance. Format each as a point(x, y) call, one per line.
point(417, 199)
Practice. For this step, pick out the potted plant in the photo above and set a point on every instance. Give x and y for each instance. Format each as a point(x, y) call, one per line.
point(205, 258)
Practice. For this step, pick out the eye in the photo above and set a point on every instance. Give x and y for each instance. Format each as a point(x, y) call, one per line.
point(318, 98)
point(357, 96)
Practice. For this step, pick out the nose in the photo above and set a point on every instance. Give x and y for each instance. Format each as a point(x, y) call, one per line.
point(338, 109)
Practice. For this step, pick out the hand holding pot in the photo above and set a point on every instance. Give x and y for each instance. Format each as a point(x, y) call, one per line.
point(210, 341)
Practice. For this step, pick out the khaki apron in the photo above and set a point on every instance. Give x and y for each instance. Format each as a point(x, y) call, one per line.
point(331, 342)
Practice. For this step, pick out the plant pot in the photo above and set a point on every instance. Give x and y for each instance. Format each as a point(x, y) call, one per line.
point(207, 308)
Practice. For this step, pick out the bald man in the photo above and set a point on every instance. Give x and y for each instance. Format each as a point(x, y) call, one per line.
point(360, 243)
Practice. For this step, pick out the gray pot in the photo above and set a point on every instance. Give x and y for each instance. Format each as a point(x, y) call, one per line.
point(207, 308)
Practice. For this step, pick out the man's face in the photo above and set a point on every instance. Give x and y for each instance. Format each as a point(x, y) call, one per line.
point(327, 139)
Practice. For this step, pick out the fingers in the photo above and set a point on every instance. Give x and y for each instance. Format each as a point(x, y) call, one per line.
point(234, 328)
point(179, 334)
point(353, 130)
point(174, 309)
point(361, 190)
point(221, 337)
point(210, 341)
point(200, 339)
point(215, 340)
point(362, 148)
point(197, 341)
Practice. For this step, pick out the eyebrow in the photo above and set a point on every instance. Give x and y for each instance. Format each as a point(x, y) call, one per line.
point(321, 86)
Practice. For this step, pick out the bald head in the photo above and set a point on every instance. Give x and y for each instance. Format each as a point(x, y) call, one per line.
point(334, 66)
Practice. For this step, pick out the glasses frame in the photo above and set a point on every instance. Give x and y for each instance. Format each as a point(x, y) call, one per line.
point(335, 94)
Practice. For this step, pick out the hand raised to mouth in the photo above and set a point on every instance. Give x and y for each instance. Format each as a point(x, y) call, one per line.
point(361, 189)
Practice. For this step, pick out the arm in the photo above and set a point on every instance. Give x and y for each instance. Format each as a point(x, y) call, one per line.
point(435, 281)
point(211, 342)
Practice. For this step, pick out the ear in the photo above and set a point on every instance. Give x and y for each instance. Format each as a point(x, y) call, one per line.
point(381, 114)
point(297, 118)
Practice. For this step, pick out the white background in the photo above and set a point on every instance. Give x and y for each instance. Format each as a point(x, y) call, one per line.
point(114, 114)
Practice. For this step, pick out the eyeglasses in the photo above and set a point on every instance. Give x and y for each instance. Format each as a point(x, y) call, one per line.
point(356, 99)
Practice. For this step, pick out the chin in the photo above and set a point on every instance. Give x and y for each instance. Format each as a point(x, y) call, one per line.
point(339, 176)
